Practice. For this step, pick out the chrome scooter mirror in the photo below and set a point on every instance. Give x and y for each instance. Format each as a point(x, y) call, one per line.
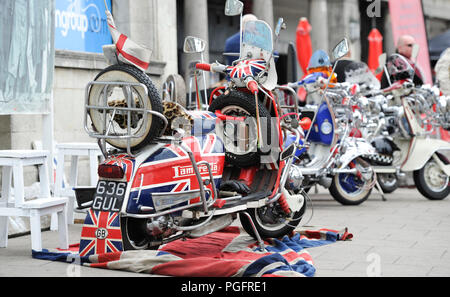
point(381, 63)
point(194, 45)
point(233, 7)
point(288, 152)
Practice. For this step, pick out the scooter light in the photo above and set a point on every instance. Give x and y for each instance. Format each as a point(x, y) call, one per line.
point(326, 128)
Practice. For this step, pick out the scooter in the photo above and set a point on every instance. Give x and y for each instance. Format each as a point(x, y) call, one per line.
point(334, 157)
point(401, 138)
point(175, 183)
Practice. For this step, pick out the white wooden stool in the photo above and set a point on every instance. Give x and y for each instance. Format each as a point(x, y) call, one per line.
point(75, 150)
point(13, 162)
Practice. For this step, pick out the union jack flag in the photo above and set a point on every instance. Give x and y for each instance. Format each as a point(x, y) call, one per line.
point(101, 233)
point(246, 68)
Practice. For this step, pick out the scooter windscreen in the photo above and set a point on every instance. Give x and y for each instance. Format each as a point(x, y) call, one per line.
point(257, 41)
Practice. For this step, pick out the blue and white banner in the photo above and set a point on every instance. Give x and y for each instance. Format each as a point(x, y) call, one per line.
point(81, 25)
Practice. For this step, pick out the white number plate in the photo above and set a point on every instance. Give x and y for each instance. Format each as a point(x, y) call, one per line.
point(109, 195)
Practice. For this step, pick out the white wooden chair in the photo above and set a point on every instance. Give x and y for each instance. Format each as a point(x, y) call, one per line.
point(13, 162)
point(75, 150)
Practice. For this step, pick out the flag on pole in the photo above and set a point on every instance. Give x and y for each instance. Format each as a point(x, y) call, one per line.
point(128, 51)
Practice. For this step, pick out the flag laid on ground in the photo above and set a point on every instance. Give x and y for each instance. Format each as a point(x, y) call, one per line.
point(246, 68)
point(229, 252)
point(128, 51)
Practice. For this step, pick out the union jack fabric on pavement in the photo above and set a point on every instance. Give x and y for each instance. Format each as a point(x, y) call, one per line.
point(229, 252)
point(246, 68)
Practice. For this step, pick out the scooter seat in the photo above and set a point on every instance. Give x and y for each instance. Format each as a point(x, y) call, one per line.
point(204, 121)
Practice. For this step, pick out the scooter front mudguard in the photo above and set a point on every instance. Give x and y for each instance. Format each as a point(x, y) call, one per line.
point(355, 147)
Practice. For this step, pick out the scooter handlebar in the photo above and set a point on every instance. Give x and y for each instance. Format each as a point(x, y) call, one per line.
point(203, 66)
point(214, 67)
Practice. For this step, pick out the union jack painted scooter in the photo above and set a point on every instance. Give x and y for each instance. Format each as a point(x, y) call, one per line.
point(175, 183)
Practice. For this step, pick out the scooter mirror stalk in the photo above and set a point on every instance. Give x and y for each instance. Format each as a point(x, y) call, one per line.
point(233, 7)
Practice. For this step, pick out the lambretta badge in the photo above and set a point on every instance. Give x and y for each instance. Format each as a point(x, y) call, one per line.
point(101, 233)
point(184, 171)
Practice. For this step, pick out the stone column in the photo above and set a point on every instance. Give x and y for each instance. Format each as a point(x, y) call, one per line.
point(263, 10)
point(388, 38)
point(196, 24)
point(318, 18)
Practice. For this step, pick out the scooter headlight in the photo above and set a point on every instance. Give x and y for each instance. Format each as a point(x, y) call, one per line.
point(295, 178)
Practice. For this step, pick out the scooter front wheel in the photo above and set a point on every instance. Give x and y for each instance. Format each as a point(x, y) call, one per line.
point(349, 189)
point(431, 181)
point(104, 94)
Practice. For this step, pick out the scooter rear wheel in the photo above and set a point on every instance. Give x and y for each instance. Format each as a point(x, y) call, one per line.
point(115, 97)
point(348, 189)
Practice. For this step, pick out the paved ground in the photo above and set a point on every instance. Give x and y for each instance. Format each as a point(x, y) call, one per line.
point(407, 235)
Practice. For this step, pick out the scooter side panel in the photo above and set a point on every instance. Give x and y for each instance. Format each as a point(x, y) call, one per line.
point(355, 147)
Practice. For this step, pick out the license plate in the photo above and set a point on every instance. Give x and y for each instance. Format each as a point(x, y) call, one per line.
point(109, 195)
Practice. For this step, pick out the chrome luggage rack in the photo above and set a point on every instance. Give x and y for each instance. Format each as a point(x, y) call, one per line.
point(130, 109)
point(177, 140)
